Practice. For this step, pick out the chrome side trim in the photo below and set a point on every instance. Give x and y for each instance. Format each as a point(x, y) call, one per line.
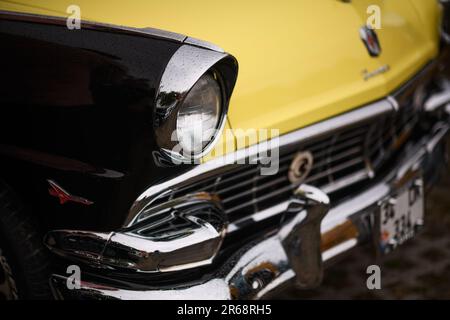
point(44, 19)
point(145, 32)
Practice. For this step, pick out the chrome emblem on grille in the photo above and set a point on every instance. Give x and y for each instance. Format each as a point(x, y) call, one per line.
point(370, 39)
point(300, 167)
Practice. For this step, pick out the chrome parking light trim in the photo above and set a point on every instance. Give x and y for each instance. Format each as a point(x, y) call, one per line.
point(181, 234)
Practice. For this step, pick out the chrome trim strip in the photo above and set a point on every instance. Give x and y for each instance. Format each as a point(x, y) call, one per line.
point(440, 132)
point(394, 102)
point(355, 177)
point(283, 278)
point(45, 19)
point(339, 249)
point(203, 44)
point(437, 100)
point(146, 32)
point(215, 289)
point(336, 123)
point(340, 213)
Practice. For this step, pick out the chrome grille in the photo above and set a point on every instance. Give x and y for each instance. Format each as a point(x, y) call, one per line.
point(340, 160)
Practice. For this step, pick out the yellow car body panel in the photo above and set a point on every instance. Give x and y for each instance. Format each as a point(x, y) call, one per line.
point(300, 61)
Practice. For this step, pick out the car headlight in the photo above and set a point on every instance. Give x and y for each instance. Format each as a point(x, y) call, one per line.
point(192, 102)
point(199, 116)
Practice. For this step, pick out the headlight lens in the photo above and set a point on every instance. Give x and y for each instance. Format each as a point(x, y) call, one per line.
point(199, 115)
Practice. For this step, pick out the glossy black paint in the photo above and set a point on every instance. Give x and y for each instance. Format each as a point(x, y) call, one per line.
point(446, 17)
point(76, 107)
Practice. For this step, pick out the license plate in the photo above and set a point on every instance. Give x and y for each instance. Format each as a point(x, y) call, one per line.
point(401, 215)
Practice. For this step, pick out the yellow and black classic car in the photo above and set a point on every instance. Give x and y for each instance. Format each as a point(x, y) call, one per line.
point(213, 150)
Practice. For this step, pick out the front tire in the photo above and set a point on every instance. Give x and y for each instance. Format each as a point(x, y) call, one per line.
point(23, 254)
point(8, 287)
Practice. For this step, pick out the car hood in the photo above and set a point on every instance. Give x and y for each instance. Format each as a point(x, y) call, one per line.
point(300, 61)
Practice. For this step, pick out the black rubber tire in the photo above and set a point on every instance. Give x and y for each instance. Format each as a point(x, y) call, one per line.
point(8, 287)
point(22, 246)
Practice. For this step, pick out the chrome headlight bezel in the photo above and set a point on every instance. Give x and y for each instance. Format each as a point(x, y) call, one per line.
point(186, 67)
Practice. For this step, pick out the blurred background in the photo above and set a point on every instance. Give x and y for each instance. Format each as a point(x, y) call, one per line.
point(419, 270)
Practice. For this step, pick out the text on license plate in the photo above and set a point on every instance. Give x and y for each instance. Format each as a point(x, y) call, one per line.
point(401, 215)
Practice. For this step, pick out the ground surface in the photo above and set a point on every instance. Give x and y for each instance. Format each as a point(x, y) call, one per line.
point(418, 270)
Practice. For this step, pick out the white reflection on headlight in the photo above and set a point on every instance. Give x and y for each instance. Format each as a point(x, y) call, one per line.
point(199, 116)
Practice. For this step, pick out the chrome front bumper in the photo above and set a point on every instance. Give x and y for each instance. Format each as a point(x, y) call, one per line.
point(272, 261)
